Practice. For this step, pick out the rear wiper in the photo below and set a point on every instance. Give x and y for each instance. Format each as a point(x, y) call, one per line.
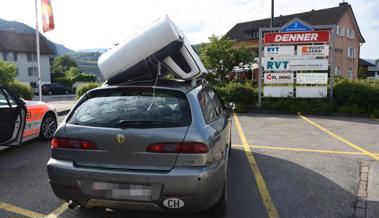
point(142, 123)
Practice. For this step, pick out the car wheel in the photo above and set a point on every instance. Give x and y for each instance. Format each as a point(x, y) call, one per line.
point(66, 92)
point(218, 210)
point(49, 92)
point(48, 127)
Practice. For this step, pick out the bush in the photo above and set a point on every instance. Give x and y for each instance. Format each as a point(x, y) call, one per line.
point(242, 94)
point(63, 81)
point(7, 72)
point(22, 90)
point(357, 97)
point(294, 105)
point(85, 87)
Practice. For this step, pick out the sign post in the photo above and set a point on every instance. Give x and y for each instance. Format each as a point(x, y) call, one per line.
point(295, 59)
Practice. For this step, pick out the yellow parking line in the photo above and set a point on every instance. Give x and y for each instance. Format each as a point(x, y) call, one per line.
point(61, 209)
point(21, 211)
point(270, 207)
point(305, 150)
point(347, 142)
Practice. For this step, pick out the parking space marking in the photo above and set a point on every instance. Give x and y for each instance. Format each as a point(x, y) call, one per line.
point(20, 211)
point(305, 150)
point(61, 209)
point(347, 142)
point(267, 201)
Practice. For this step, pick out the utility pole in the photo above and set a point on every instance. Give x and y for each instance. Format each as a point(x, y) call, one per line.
point(272, 14)
point(38, 54)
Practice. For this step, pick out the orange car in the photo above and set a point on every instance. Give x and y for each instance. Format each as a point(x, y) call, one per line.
point(22, 120)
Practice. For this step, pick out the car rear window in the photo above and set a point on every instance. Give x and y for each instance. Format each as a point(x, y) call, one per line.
point(134, 108)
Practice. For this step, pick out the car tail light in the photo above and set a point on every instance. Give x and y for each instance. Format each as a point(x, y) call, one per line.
point(72, 144)
point(185, 148)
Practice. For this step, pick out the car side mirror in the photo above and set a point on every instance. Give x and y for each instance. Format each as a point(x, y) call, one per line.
point(231, 106)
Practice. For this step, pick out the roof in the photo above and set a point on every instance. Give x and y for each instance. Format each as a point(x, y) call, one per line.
point(182, 85)
point(329, 16)
point(22, 42)
point(363, 62)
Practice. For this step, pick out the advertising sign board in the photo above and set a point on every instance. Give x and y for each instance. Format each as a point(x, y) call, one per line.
point(279, 51)
point(312, 78)
point(278, 91)
point(296, 37)
point(311, 91)
point(296, 64)
point(278, 78)
point(313, 50)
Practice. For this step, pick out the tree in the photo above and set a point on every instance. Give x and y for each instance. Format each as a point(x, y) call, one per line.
point(7, 72)
point(72, 73)
point(221, 55)
point(62, 64)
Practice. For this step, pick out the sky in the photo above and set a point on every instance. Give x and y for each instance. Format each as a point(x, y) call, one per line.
point(86, 24)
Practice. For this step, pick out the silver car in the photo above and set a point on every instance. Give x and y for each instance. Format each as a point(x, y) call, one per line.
point(146, 147)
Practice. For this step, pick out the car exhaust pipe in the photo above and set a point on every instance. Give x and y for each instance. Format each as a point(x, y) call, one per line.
point(72, 205)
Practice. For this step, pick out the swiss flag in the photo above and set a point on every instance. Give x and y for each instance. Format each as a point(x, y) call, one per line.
point(47, 15)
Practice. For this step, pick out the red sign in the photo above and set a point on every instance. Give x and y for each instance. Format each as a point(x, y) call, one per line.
point(296, 37)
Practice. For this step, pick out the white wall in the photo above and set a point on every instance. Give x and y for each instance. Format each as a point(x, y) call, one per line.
point(23, 65)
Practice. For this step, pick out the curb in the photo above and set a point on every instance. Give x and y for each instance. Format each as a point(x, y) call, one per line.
point(361, 202)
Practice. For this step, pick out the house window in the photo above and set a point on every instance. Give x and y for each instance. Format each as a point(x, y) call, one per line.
point(255, 34)
point(33, 71)
point(32, 57)
point(340, 31)
point(350, 34)
point(337, 72)
point(9, 56)
point(350, 52)
point(350, 73)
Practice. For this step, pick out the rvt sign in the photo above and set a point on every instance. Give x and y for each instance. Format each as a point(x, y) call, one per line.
point(276, 65)
point(272, 51)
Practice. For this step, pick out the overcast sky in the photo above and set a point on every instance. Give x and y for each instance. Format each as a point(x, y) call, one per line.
point(83, 24)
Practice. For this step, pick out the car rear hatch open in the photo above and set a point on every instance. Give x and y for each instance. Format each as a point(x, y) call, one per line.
point(114, 127)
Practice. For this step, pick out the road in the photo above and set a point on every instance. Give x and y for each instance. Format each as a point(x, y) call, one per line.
point(281, 166)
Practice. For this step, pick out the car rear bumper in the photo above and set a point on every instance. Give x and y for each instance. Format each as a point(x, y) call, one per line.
point(198, 187)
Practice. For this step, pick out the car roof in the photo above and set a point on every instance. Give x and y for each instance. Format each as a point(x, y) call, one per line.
point(181, 85)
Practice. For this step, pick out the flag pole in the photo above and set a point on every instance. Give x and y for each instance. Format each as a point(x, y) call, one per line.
point(38, 54)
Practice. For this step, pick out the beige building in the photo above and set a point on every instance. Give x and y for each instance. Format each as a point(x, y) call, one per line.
point(348, 40)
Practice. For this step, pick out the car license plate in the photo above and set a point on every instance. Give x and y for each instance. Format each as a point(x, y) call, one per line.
point(118, 190)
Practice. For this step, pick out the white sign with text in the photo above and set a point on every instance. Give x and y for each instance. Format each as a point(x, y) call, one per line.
point(278, 78)
point(312, 78)
point(271, 51)
point(296, 64)
point(313, 50)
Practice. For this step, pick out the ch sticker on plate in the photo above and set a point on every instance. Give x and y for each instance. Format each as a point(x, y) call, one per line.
point(173, 203)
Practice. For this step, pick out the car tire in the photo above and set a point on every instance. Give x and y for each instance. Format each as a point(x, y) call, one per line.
point(218, 210)
point(49, 92)
point(48, 126)
point(66, 92)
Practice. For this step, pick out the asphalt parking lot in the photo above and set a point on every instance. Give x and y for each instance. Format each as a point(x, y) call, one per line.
point(281, 166)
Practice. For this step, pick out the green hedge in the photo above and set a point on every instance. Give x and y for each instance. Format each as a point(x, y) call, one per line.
point(242, 94)
point(22, 90)
point(85, 87)
point(356, 97)
point(294, 105)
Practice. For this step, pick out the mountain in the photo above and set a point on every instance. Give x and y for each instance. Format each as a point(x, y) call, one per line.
point(6, 25)
point(100, 50)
